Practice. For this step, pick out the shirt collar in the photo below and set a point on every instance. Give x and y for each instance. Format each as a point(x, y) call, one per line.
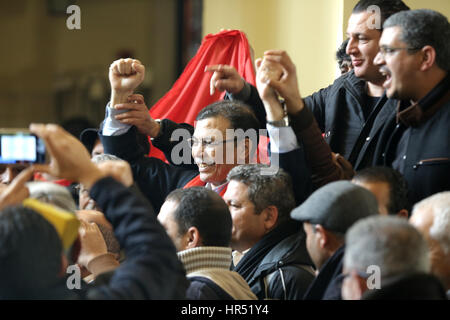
point(422, 110)
point(216, 189)
point(198, 258)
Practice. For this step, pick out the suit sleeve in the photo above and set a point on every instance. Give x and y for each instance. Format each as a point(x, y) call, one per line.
point(152, 269)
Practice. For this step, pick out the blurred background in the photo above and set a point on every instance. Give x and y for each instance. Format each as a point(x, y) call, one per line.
point(49, 73)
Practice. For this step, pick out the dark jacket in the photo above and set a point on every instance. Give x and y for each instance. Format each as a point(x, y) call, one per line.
point(327, 285)
point(426, 166)
point(152, 269)
point(278, 266)
point(202, 288)
point(331, 107)
point(417, 286)
point(155, 178)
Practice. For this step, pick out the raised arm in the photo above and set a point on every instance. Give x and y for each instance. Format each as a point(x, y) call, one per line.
point(152, 270)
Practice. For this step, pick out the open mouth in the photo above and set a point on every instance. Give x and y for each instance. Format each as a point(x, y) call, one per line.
point(357, 62)
point(204, 165)
point(387, 74)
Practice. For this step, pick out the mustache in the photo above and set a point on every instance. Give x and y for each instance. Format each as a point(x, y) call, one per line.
point(206, 160)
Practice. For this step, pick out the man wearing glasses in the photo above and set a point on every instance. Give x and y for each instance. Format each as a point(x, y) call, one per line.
point(214, 146)
point(415, 58)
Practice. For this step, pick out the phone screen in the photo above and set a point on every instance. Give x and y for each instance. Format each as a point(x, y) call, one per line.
point(21, 148)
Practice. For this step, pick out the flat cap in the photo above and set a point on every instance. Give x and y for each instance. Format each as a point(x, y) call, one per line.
point(336, 206)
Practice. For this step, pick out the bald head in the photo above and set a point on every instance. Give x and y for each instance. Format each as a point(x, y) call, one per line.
point(431, 217)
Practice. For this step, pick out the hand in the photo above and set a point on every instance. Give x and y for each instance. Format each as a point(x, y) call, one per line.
point(287, 85)
point(119, 170)
point(225, 78)
point(125, 75)
point(16, 192)
point(69, 158)
point(265, 71)
point(92, 243)
point(138, 116)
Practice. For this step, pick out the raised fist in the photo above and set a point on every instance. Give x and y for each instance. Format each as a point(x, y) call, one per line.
point(125, 75)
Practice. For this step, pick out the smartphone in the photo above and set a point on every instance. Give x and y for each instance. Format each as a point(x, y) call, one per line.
point(19, 146)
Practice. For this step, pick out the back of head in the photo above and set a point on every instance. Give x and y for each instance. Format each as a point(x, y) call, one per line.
point(341, 55)
point(52, 193)
point(424, 27)
point(266, 190)
point(438, 206)
point(204, 209)
point(397, 185)
point(389, 243)
point(30, 255)
point(386, 8)
point(337, 206)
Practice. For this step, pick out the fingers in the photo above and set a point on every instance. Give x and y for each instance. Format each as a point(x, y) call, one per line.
point(226, 70)
point(127, 67)
point(131, 107)
point(46, 133)
point(22, 177)
point(283, 59)
point(136, 98)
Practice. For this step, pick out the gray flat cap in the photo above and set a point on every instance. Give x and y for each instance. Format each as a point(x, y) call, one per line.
point(336, 206)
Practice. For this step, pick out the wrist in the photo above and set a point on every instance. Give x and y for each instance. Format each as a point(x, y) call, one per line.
point(274, 111)
point(294, 106)
point(156, 128)
point(91, 176)
point(119, 97)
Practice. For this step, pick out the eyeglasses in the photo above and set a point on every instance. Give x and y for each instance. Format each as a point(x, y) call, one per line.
point(384, 50)
point(208, 143)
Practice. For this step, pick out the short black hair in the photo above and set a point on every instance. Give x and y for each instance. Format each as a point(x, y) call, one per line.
point(398, 187)
point(30, 254)
point(341, 54)
point(387, 7)
point(424, 27)
point(204, 209)
point(266, 190)
point(237, 113)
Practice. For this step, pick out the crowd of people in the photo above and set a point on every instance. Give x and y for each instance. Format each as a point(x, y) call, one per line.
point(354, 205)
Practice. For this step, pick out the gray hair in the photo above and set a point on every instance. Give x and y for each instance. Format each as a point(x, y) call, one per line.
point(439, 204)
point(104, 157)
point(266, 190)
point(52, 193)
point(390, 243)
point(424, 27)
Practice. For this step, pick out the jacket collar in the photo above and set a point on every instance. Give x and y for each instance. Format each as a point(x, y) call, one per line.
point(195, 259)
point(419, 112)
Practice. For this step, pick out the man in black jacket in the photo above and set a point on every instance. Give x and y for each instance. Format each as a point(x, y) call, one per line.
point(31, 266)
point(352, 111)
point(415, 57)
point(327, 215)
point(270, 252)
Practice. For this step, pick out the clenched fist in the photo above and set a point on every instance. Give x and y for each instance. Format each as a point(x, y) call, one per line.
point(125, 75)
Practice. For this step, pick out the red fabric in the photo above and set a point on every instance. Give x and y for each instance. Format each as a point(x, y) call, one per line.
point(62, 182)
point(197, 182)
point(190, 93)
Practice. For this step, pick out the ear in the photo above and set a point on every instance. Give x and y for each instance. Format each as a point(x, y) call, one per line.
point(270, 217)
point(403, 214)
point(192, 238)
point(322, 235)
point(428, 58)
point(353, 286)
